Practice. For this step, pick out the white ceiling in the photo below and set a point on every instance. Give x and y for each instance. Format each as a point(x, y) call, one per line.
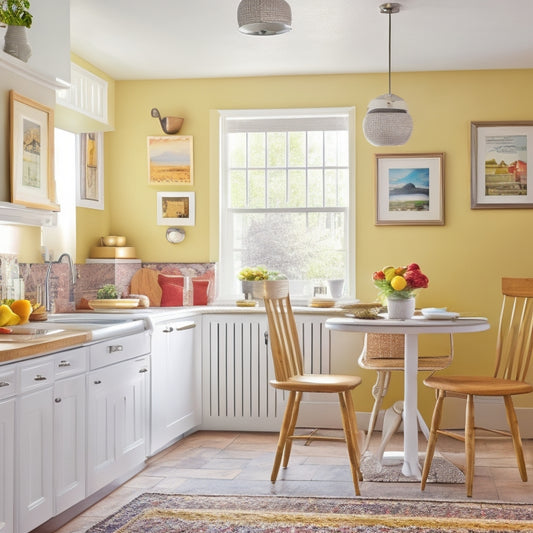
point(170, 39)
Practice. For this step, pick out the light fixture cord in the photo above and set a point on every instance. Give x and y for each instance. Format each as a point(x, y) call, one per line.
point(390, 92)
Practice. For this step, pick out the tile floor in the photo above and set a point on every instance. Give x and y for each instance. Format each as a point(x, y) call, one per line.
point(240, 463)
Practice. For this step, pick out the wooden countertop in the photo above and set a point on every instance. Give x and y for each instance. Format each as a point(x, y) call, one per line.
point(41, 345)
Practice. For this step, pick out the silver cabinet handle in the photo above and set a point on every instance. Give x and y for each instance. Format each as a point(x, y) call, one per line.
point(57, 400)
point(115, 348)
point(4, 384)
point(143, 370)
point(64, 363)
point(169, 329)
point(38, 377)
point(97, 382)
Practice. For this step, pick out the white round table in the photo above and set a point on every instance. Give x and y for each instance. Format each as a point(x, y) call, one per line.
point(410, 328)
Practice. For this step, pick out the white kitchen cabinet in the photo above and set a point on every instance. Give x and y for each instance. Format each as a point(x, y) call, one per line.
point(175, 390)
point(69, 442)
point(117, 420)
point(7, 448)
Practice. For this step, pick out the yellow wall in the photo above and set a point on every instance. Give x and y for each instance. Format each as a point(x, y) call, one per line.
point(464, 259)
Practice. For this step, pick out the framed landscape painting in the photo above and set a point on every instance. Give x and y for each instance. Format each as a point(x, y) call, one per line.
point(500, 155)
point(32, 153)
point(410, 189)
point(170, 160)
point(175, 209)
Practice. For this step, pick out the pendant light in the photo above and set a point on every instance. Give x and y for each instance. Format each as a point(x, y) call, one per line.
point(387, 121)
point(264, 17)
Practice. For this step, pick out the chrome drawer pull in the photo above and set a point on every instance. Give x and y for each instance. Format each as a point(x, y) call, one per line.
point(64, 363)
point(143, 370)
point(97, 382)
point(57, 400)
point(4, 383)
point(115, 348)
point(168, 330)
point(38, 377)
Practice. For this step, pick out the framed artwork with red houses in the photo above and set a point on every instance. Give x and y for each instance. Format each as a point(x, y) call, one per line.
point(499, 159)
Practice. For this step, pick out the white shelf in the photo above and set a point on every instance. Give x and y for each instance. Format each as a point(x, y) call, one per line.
point(19, 214)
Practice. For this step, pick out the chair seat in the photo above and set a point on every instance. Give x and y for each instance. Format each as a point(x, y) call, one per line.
point(479, 385)
point(394, 363)
point(318, 383)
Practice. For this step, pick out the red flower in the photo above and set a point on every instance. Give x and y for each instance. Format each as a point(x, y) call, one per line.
point(378, 275)
point(413, 266)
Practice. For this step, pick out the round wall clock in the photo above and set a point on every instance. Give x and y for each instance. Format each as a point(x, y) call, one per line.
point(175, 235)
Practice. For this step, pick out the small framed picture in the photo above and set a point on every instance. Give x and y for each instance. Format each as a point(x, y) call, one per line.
point(32, 153)
point(410, 189)
point(90, 165)
point(175, 209)
point(500, 152)
point(170, 160)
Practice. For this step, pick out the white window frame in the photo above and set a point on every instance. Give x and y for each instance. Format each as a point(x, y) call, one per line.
point(227, 284)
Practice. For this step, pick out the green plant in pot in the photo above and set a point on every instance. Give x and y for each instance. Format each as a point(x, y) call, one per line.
point(107, 292)
point(16, 15)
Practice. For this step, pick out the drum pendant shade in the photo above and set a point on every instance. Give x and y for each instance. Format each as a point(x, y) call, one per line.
point(387, 121)
point(264, 17)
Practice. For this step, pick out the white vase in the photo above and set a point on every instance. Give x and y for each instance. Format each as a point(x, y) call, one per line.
point(16, 42)
point(401, 308)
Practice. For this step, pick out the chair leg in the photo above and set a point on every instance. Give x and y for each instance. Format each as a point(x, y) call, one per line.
point(379, 390)
point(515, 433)
point(282, 439)
point(290, 431)
point(470, 444)
point(349, 423)
point(433, 436)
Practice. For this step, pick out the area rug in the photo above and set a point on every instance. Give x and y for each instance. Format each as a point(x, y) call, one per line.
point(441, 471)
point(165, 513)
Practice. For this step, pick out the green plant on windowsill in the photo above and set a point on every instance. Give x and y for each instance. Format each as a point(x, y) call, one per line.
point(15, 13)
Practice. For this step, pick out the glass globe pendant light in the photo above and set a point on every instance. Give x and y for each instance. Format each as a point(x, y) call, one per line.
point(387, 121)
point(264, 17)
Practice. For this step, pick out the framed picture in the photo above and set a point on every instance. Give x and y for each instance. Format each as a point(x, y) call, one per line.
point(499, 158)
point(32, 153)
point(410, 189)
point(175, 209)
point(90, 165)
point(170, 160)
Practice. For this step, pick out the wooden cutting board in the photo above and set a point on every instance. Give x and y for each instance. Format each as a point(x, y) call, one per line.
point(144, 281)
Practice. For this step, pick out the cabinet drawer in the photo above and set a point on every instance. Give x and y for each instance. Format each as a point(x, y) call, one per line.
point(36, 375)
point(8, 381)
point(70, 363)
point(116, 350)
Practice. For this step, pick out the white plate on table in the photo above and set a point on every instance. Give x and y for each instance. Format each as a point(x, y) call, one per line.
point(440, 315)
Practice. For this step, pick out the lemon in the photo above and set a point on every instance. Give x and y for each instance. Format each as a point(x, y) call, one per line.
point(398, 283)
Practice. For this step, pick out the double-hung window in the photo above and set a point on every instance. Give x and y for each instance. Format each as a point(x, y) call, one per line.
point(287, 196)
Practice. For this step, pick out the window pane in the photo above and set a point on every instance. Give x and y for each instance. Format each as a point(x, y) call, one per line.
point(256, 188)
point(297, 149)
point(315, 148)
point(316, 189)
point(277, 149)
point(297, 188)
point(256, 149)
point(314, 244)
point(237, 149)
point(277, 189)
point(237, 188)
point(331, 188)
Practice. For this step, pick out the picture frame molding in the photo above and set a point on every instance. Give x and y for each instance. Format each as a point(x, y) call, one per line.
point(478, 198)
point(42, 195)
point(163, 220)
point(432, 217)
point(81, 199)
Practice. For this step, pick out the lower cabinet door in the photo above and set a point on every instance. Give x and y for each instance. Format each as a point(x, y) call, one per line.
point(69, 442)
point(35, 459)
point(7, 441)
point(117, 421)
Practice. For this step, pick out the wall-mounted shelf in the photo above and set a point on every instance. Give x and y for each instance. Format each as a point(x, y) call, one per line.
point(19, 214)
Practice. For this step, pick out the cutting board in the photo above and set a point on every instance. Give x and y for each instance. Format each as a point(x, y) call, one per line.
point(144, 281)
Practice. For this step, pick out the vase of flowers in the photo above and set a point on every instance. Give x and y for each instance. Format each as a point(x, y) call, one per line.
point(16, 15)
point(397, 286)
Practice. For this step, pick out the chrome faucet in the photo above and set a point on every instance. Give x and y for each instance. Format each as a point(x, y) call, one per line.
point(47, 300)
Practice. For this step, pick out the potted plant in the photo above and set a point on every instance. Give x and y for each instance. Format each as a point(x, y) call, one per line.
point(248, 277)
point(16, 15)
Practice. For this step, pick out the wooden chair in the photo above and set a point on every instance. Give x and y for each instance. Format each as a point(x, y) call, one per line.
point(514, 347)
point(384, 352)
point(288, 366)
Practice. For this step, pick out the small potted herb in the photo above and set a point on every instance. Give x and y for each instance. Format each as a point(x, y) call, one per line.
point(107, 292)
point(16, 15)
